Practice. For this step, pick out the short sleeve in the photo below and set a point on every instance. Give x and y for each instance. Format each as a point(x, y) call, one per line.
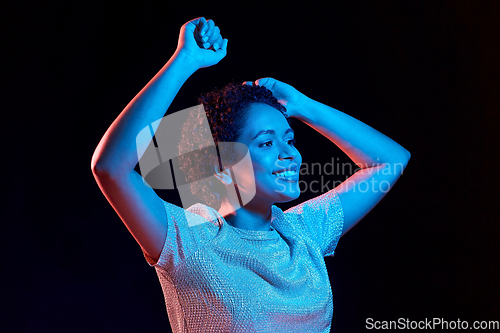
point(322, 218)
point(187, 231)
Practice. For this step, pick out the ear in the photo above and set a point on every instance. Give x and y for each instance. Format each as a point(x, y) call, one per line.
point(224, 176)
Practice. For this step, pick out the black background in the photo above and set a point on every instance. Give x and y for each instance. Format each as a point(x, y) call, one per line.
point(424, 73)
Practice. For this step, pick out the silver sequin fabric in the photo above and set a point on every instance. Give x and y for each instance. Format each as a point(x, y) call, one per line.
point(218, 278)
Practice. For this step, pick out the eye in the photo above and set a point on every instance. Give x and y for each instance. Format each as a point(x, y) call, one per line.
point(291, 142)
point(266, 144)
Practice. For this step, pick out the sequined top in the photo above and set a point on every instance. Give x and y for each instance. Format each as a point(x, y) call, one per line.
point(218, 278)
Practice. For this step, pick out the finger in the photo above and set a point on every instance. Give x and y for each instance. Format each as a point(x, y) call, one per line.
point(214, 38)
point(199, 22)
point(267, 82)
point(194, 23)
point(218, 43)
point(208, 32)
point(201, 25)
point(223, 49)
point(248, 83)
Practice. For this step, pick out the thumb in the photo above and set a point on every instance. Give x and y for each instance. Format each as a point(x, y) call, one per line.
point(267, 82)
point(213, 57)
point(198, 22)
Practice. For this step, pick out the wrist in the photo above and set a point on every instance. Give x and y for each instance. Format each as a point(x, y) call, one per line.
point(302, 109)
point(186, 60)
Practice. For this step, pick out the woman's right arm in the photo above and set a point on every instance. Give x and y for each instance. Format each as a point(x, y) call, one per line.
point(115, 157)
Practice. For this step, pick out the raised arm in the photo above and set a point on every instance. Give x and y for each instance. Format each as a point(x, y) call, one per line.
point(200, 45)
point(381, 160)
point(116, 151)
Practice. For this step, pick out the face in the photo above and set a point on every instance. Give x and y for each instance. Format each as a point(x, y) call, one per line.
point(275, 160)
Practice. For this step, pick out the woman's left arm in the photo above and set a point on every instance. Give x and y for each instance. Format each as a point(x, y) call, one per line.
point(381, 160)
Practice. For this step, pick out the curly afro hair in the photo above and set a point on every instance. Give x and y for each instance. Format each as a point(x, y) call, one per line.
point(227, 111)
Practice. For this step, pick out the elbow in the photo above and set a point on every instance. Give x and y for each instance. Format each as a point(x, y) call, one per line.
point(98, 170)
point(104, 169)
point(399, 161)
point(99, 167)
point(403, 159)
point(406, 156)
point(96, 165)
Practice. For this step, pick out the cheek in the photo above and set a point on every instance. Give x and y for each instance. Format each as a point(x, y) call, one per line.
point(244, 170)
point(259, 161)
point(263, 165)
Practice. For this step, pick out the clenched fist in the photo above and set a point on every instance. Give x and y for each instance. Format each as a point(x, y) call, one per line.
point(201, 40)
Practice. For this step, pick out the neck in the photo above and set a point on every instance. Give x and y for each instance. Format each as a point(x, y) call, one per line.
point(249, 217)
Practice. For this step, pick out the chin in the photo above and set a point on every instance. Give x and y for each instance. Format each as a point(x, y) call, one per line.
point(289, 196)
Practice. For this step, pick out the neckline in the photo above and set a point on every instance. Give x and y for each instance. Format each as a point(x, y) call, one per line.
point(252, 234)
point(255, 234)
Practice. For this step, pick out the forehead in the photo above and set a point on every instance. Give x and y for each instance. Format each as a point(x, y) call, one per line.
point(263, 117)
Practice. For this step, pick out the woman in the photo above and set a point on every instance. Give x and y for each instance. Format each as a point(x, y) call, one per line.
point(233, 266)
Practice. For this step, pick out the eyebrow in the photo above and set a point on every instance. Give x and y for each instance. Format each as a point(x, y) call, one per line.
point(270, 131)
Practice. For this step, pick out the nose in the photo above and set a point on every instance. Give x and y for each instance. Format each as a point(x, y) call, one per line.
point(287, 152)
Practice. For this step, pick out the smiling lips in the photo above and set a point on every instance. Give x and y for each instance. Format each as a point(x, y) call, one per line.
point(285, 173)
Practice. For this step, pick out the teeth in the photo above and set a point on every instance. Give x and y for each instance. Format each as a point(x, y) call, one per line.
point(286, 173)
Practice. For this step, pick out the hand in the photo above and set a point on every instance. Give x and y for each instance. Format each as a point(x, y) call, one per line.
point(292, 99)
point(201, 40)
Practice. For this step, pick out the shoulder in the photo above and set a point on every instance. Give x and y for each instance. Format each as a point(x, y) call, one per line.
point(188, 231)
point(286, 221)
point(207, 214)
